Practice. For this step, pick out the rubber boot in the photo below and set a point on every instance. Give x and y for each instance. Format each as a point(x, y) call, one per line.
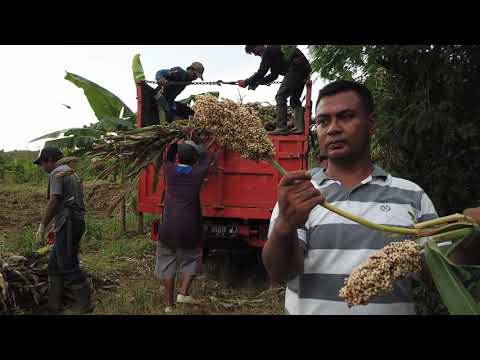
point(55, 294)
point(282, 128)
point(79, 295)
point(299, 120)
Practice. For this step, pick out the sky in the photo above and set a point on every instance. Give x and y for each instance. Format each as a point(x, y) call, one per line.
point(33, 88)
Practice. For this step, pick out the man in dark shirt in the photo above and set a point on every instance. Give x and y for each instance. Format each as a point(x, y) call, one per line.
point(171, 83)
point(66, 208)
point(296, 70)
point(181, 231)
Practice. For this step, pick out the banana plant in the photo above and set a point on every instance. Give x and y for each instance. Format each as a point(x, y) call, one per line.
point(111, 112)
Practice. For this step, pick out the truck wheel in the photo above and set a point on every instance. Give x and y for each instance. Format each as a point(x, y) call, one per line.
point(229, 272)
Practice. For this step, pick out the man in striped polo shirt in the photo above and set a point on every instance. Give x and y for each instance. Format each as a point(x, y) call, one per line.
point(315, 249)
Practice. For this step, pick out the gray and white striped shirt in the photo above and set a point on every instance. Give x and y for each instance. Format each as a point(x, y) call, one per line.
point(335, 245)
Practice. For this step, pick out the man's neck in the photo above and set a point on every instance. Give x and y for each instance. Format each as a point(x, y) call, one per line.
point(350, 174)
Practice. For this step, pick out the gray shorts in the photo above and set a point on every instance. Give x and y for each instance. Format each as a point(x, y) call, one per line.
point(169, 261)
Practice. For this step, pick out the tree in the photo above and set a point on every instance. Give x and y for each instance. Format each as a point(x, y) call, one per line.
point(427, 112)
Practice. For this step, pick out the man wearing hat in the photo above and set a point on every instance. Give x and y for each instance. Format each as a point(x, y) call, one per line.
point(171, 83)
point(181, 231)
point(67, 284)
point(295, 68)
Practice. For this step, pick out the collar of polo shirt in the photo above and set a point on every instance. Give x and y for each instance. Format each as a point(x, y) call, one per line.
point(321, 176)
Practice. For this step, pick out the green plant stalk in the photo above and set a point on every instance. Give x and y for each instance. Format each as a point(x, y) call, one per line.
point(439, 221)
point(354, 218)
point(453, 235)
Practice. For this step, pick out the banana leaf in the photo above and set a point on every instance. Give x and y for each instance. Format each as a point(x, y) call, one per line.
point(455, 296)
point(110, 124)
point(53, 135)
point(138, 73)
point(84, 132)
point(103, 102)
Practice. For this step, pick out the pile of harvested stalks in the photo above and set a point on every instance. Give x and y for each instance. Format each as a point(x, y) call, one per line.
point(235, 126)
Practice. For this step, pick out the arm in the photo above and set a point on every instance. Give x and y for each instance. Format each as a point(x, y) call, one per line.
point(268, 79)
point(52, 204)
point(175, 74)
point(204, 157)
point(282, 255)
point(171, 153)
point(262, 70)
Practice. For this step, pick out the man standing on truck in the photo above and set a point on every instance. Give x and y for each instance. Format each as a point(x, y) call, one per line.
point(66, 208)
point(171, 83)
point(315, 249)
point(181, 232)
point(296, 70)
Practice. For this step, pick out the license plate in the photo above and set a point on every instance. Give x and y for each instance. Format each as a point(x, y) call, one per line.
point(223, 230)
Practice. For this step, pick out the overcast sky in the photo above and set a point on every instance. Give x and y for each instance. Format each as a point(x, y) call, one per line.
point(33, 88)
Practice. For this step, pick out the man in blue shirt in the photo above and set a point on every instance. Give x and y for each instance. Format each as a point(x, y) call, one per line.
point(171, 83)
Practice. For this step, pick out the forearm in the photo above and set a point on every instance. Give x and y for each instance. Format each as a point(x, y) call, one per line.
point(269, 78)
point(282, 254)
point(260, 74)
point(51, 206)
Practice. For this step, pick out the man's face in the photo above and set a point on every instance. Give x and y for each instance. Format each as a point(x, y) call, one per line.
point(48, 166)
point(191, 75)
point(343, 126)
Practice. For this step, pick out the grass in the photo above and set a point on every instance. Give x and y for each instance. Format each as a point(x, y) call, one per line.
point(20, 243)
point(27, 187)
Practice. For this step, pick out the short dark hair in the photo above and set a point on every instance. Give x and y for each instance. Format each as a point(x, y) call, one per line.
point(346, 85)
point(249, 48)
point(186, 154)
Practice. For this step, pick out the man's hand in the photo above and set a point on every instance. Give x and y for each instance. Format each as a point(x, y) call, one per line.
point(474, 213)
point(296, 199)
point(162, 82)
point(242, 83)
point(468, 253)
point(40, 235)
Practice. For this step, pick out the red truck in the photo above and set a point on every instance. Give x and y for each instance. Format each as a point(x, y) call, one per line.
point(239, 195)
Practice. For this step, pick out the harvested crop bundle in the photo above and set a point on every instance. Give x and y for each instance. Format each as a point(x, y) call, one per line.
point(235, 126)
point(24, 283)
point(378, 274)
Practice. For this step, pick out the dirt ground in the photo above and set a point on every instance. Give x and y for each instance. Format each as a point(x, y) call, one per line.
point(24, 205)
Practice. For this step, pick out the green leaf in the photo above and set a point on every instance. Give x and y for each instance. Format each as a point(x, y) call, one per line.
point(452, 291)
point(84, 132)
point(110, 124)
point(102, 101)
point(52, 135)
point(63, 143)
point(138, 73)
